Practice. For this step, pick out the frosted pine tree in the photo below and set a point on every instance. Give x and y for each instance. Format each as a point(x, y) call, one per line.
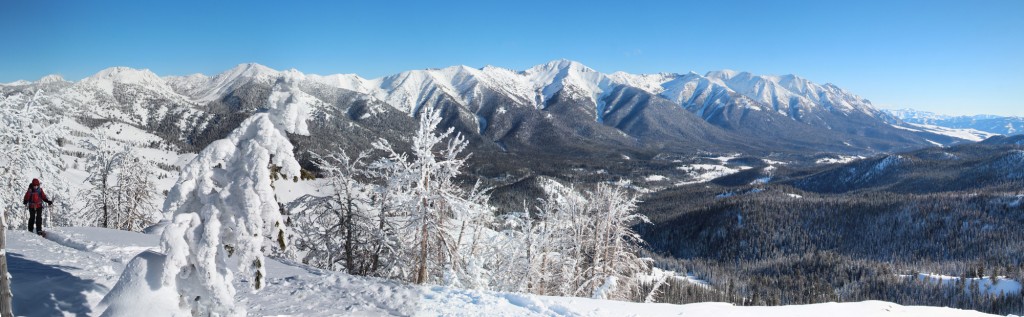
point(614, 245)
point(30, 138)
point(479, 244)
point(403, 216)
point(340, 232)
point(223, 205)
point(508, 252)
point(558, 255)
point(428, 199)
point(583, 244)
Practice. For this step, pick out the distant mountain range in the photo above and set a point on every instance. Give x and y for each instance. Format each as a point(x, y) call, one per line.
point(562, 106)
point(1005, 125)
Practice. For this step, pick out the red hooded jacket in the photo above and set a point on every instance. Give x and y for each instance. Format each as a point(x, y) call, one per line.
point(35, 196)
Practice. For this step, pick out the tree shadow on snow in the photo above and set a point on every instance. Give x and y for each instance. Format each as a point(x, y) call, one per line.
point(46, 290)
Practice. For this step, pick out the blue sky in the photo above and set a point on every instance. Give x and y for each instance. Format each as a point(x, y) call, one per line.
point(957, 57)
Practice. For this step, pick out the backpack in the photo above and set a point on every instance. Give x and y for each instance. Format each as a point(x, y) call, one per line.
point(35, 198)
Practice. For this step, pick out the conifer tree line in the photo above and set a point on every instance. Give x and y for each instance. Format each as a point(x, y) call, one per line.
point(403, 216)
point(771, 248)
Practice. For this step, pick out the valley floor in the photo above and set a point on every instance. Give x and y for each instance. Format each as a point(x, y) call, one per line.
point(69, 273)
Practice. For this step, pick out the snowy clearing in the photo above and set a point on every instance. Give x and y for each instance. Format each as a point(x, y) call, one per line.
point(656, 178)
point(699, 173)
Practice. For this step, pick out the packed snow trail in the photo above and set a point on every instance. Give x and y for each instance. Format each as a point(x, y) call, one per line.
point(69, 273)
point(49, 279)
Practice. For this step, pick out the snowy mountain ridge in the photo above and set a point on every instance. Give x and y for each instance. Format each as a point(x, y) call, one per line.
point(507, 107)
point(784, 94)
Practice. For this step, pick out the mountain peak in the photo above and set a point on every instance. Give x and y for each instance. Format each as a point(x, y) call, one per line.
point(251, 70)
point(127, 75)
point(564, 64)
point(106, 78)
point(235, 77)
point(724, 74)
point(52, 78)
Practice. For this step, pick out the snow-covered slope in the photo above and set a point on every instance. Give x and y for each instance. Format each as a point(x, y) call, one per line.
point(204, 89)
point(784, 93)
point(992, 124)
point(72, 271)
point(961, 133)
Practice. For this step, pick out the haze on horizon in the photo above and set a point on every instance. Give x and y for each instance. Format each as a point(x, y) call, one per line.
point(944, 56)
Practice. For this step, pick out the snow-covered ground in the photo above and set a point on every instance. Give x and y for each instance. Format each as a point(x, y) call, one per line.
point(70, 272)
point(839, 159)
point(985, 284)
point(966, 134)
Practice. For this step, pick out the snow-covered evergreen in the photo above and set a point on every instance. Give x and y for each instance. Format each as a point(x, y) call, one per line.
point(223, 205)
point(431, 202)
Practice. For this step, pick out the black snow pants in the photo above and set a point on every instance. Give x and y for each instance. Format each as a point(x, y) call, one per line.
point(35, 218)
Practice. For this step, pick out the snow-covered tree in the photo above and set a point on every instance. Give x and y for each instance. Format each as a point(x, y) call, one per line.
point(435, 209)
point(501, 259)
point(431, 247)
point(121, 193)
point(138, 193)
point(614, 262)
point(583, 244)
point(223, 205)
point(102, 163)
point(557, 250)
point(482, 245)
point(403, 216)
point(29, 136)
point(345, 231)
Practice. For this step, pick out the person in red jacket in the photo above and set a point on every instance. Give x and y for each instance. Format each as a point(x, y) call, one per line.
point(34, 199)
